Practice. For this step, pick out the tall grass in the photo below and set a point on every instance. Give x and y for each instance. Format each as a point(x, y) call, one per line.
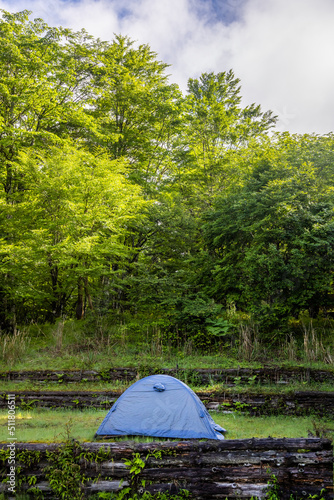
point(314, 350)
point(13, 347)
point(249, 345)
point(291, 348)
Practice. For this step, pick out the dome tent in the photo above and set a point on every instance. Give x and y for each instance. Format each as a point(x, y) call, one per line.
point(160, 406)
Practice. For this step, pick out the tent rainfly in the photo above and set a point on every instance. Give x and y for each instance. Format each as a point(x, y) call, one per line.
point(160, 406)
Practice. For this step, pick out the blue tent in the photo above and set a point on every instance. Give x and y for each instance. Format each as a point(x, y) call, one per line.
point(160, 406)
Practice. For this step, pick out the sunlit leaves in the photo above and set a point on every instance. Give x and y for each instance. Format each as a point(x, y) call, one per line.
point(136, 108)
point(74, 214)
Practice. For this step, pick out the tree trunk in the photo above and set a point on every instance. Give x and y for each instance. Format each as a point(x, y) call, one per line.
point(80, 300)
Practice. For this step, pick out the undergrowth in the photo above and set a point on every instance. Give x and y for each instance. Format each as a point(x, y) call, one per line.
point(82, 344)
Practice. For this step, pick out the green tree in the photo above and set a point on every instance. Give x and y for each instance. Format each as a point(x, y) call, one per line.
point(216, 127)
point(272, 241)
point(137, 110)
point(66, 231)
point(44, 88)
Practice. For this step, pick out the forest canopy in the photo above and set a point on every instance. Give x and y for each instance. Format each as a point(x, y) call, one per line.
point(122, 196)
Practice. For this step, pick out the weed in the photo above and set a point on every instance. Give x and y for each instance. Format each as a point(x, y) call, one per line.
point(135, 466)
point(248, 341)
point(321, 429)
point(135, 490)
point(290, 348)
point(64, 472)
point(28, 457)
point(252, 380)
point(13, 347)
point(273, 492)
point(28, 405)
point(314, 349)
point(58, 335)
point(241, 407)
point(105, 375)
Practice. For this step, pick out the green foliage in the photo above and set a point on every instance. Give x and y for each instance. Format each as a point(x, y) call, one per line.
point(136, 109)
point(125, 200)
point(216, 127)
point(27, 405)
point(136, 466)
point(4, 455)
point(71, 218)
point(273, 491)
point(64, 474)
point(28, 457)
point(219, 327)
point(272, 241)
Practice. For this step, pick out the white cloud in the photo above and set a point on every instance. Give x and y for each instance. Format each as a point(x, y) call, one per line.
point(281, 50)
point(283, 54)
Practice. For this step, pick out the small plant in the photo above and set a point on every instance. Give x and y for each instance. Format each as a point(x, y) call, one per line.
point(252, 380)
point(290, 348)
point(64, 474)
point(218, 327)
point(28, 405)
point(60, 378)
point(314, 349)
point(135, 466)
point(248, 341)
point(105, 375)
point(321, 430)
point(28, 457)
point(136, 489)
point(58, 336)
point(241, 407)
point(273, 492)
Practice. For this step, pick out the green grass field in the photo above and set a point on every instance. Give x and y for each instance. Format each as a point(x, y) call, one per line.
point(57, 426)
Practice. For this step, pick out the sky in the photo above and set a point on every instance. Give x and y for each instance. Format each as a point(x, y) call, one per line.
point(281, 50)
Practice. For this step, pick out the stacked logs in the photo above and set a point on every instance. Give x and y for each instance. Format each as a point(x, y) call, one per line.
point(207, 469)
point(230, 376)
point(293, 403)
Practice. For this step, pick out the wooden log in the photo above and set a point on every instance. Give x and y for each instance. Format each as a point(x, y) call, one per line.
point(229, 377)
point(120, 447)
point(296, 403)
point(298, 445)
point(208, 469)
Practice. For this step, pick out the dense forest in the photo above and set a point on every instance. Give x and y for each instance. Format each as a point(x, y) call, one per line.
point(125, 198)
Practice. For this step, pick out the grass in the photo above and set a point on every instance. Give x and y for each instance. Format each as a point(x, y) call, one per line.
point(26, 385)
point(78, 345)
point(100, 359)
point(122, 385)
point(251, 386)
point(57, 426)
